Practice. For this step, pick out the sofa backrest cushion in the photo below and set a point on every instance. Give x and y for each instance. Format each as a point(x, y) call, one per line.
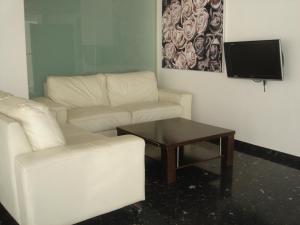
point(78, 91)
point(38, 123)
point(130, 88)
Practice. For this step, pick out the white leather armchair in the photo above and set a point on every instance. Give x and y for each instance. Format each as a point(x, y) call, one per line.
point(88, 176)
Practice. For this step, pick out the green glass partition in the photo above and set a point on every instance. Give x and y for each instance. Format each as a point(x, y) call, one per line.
point(69, 37)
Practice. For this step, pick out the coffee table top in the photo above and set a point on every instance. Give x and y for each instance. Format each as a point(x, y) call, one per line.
point(175, 131)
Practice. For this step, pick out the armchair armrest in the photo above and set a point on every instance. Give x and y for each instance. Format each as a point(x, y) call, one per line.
point(182, 98)
point(82, 181)
point(59, 111)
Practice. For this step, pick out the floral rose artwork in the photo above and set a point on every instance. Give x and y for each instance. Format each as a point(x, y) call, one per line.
point(192, 34)
point(200, 3)
point(215, 4)
point(189, 28)
point(167, 18)
point(190, 55)
point(178, 38)
point(187, 9)
point(167, 34)
point(215, 25)
point(202, 21)
point(200, 46)
point(176, 9)
point(170, 50)
point(180, 61)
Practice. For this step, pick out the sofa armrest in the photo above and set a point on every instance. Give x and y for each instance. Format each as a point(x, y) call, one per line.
point(182, 98)
point(82, 181)
point(58, 110)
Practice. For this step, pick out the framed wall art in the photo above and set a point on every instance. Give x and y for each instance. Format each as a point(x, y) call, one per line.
point(192, 34)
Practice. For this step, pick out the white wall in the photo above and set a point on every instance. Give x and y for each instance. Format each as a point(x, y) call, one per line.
point(13, 68)
point(270, 119)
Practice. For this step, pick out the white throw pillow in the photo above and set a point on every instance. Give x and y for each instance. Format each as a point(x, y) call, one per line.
point(39, 125)
point(78, 91)
point(128, 88)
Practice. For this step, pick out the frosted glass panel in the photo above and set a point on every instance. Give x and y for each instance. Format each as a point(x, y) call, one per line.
point(69, 37)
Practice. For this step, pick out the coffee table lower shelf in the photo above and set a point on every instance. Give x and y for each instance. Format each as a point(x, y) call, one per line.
point(169, 159)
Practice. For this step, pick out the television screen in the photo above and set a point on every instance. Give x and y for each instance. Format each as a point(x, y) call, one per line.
point(254, 59)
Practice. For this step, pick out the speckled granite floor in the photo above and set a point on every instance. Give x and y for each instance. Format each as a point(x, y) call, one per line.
point(255, 192)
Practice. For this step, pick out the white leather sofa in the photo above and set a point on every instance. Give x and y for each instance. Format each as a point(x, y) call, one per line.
point(61, 175)
point(101, 102)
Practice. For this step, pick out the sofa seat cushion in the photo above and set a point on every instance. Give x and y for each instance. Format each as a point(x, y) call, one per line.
point(78, 91)
point(98, 118)
point(144, 112)
point(129, 88)
point(39, 124)
point(75, 135)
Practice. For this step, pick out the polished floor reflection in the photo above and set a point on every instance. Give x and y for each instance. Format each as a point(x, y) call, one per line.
point(255, 192)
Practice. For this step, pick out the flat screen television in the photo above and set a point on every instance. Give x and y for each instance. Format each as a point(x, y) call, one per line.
point(258, 60)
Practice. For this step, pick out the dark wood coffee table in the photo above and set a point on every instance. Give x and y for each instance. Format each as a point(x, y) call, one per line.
point(173, 134)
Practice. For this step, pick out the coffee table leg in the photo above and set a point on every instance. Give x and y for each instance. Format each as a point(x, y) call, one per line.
point(179, 155)
point(168, 158)
point(226, 182)
point(227, 150)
